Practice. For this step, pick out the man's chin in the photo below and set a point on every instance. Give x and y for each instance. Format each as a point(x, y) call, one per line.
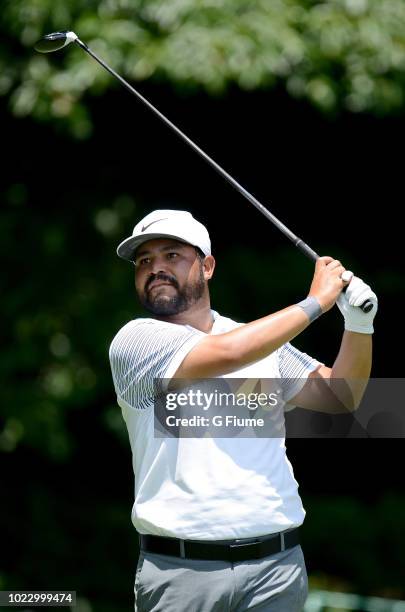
point(163, 306)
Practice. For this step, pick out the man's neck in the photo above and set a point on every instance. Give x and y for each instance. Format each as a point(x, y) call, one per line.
point(198, 316)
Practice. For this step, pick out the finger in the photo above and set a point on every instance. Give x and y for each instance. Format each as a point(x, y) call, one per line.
point(347, 276)
point(366, 295)
point(324, 261)
point(338, 271)
point(335, 263)
point(357, 290)
point(360, 295)
point(359, 298)
point(356, 285)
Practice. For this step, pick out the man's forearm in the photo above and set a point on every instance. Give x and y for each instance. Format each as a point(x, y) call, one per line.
point(219, 354)
point(257, 339)
point(353, 367)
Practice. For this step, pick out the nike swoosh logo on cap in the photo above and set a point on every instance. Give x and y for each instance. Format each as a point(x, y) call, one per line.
point(151, 223)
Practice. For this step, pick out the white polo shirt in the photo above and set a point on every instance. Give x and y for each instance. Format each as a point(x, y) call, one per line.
point(202, 488)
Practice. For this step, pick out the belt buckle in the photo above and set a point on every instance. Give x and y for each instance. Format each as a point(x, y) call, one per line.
point(233, 548)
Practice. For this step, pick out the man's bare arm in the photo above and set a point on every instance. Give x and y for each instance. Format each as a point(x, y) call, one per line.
point(216, 355)
point(221, 354)
point(340, 388)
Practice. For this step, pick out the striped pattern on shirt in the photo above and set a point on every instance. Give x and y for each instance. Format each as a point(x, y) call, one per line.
point(294, 366)
point(142, 351)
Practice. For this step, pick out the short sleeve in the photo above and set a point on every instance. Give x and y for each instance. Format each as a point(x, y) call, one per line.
point(294, 367)
point(144, 350)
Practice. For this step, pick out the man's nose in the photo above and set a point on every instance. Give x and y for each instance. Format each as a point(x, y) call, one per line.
point(158, 264)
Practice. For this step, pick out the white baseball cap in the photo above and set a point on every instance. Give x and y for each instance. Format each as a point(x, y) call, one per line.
point(177, 224)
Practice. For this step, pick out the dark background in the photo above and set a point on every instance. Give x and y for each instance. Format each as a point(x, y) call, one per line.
point(66, 476)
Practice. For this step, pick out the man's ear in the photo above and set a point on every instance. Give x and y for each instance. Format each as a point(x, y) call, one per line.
point(208, 267)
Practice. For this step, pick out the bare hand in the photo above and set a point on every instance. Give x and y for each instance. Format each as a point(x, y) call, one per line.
point(327, 283)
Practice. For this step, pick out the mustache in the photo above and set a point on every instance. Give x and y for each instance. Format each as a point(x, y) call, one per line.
point(162, 277)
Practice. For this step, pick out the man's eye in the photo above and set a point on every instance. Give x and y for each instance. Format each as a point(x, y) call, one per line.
point(172, 255)
point(143, 261)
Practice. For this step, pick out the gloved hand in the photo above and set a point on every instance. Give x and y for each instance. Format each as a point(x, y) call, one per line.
point(349, 301)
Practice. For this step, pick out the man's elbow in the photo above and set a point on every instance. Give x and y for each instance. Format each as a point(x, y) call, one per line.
point(347, 393)
point(355, 404)
point(352, 406)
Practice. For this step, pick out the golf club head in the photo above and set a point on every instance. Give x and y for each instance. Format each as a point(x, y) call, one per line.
point(54, 41)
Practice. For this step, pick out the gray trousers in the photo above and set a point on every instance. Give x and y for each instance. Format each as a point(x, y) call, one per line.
point(277, 583)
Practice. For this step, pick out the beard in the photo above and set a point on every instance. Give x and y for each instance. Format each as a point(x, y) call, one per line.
point(182, 300)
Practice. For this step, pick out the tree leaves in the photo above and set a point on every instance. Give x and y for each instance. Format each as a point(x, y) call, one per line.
point(338, 54)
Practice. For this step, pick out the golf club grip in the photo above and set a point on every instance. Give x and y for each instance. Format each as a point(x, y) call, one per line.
point(304, 248)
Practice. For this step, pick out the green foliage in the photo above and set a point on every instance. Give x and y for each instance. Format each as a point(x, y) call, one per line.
point(56, 362)
point(338, 54)
point(365, 546)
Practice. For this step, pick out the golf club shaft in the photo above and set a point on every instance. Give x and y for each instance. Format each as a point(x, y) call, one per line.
point(300, 244)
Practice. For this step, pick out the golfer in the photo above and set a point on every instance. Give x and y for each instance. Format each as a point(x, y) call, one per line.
point(218, 518)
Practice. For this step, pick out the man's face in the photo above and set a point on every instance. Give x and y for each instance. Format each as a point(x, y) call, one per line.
point(169, 276)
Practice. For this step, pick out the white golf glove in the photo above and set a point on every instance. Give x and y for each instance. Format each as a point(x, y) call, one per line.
point(349, 301)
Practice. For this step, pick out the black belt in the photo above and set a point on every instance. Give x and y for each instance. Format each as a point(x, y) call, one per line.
point(224, 550)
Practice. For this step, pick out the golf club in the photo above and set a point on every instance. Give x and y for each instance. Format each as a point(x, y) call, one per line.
point(58, 40)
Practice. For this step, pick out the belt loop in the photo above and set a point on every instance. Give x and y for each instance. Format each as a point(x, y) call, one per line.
point(282, 541)
point(182, 551)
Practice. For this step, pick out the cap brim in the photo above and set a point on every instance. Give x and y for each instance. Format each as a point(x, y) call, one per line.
point(127, 248)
